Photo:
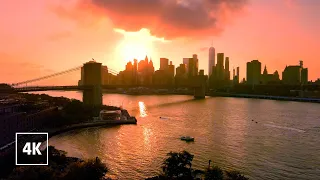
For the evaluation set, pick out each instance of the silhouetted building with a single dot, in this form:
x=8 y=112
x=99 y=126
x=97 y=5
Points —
x=226 y=70
x=145 y=71
x=171 y=73
x=129 y=66
x=304 y=74
x=253 y=72
x=236 y=78
x=196 y=64
x=295 y=75
x=219 y=67
x=160 y=78
x=269 y=78
x=238 y=71
x=186 y=62
x=291 y=75
x=164 y=62
x=201 y=72
x=135 y=71
x=181 y=70
x=192 y=66
x=181 y=75
x=212 y=59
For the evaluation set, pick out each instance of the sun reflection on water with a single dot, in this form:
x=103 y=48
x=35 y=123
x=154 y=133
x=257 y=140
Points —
x=146 y=137
x=143 y=109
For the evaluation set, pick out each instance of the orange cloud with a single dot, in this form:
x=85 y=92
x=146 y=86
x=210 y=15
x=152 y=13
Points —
x=164 y=18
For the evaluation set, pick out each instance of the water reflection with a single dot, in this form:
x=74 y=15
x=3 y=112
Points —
x=143 y=109
x=225 y=130
x=146 y=136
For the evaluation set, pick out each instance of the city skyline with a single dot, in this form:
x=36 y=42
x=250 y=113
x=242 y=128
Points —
x=57 y=37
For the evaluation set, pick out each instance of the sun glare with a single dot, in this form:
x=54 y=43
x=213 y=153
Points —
x=136 y=45
x=131 y=49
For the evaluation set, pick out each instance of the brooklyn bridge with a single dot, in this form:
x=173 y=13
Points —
x=92 y=86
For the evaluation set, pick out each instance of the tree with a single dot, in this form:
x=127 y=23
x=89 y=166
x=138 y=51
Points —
x=92 y=169
x=57 y=156
x=178 y=164
x=214 y=173
x=33 y=173
x=235 y=175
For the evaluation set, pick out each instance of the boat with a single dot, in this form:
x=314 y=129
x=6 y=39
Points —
x=187 y=138
x=107 y=115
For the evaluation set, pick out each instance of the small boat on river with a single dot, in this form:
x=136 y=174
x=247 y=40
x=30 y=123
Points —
x=187 y=138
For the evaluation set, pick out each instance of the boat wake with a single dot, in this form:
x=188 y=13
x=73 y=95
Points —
x=283 y=127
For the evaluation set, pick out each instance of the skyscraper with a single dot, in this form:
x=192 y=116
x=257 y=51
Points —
x=171 y=69
x=253 y=72
x=238 y=71
x=191 y=67
x=226 y=70
x=164 y=62
x=196 y=64
x=220 y=68
x=212 y=56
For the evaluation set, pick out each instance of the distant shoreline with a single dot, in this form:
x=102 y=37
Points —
x=279 y=98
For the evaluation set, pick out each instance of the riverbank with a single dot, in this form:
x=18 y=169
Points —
x=280 y=98
x=54 y=132
x=66 y=114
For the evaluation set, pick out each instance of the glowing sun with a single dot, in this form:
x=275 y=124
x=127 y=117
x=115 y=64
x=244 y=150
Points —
x=136 y=45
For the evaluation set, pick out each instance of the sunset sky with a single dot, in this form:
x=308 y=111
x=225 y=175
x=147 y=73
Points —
x=40 y=37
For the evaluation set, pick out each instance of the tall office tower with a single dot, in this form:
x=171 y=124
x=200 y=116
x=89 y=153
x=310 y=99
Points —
x=191 y=67
x=236 y=76
x=220 y=57
x=212 y=58
x=150 y=67
x=164 y=62
x=227 y=72
x=196 y=64
x=135 y=71
x=171 y=69
x=253 y=72
x=219 y=66
x=238 y=72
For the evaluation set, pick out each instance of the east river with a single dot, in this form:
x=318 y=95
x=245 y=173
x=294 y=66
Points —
x=264 y=139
